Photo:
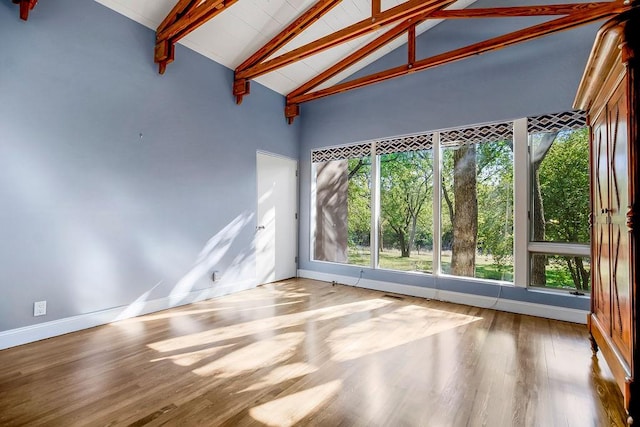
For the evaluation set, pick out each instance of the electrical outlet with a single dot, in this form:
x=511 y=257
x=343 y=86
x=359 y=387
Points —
x=39 y=308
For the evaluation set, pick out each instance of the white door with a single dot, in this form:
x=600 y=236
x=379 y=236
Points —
x=277 y=223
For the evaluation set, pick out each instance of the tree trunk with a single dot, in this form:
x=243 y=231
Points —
x=404 y=249
x=574 y=271
x=584 y=275
x=465 y=221
x=445 y=195
x=412 y=235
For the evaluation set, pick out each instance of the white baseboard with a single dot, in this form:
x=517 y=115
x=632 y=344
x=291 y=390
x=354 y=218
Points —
x=27 y=334
x=40 y=331
x=539 y=310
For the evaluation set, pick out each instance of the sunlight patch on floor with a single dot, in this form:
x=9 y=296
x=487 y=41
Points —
x=269 y=324
x=260 y=354
x=402 y=326
x=193 y=357
x=262 y=307
x=172 y=314
x=282 y=374
x=291 y=409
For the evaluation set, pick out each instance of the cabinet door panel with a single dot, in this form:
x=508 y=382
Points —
x=600 y=238
x=619 y=199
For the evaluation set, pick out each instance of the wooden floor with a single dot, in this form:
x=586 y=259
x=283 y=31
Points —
x=305 y=352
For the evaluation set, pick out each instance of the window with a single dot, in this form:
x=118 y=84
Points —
x=559 y=205
x=477 y=202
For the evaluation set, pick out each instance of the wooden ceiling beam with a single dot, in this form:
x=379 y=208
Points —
x=411 y=45
x=304 y=21
x=402 y=12
x=186 y=16
x=26 y=6
x=519 y=11
x=376 y=7
x=456 y=13
x=356 y=56
x=572 y=20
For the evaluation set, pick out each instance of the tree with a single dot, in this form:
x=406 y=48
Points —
x=564 y=183
x=406 y=185
x=477 y=181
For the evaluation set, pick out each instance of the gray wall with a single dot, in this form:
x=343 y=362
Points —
x=93 y=216
x=537 y=77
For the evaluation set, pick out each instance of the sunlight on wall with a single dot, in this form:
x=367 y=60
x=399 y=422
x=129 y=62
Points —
x=136 y=307
x=356 y=340
x=269 y=324
x=261 y=354
x=291 y=409
x=210 y=255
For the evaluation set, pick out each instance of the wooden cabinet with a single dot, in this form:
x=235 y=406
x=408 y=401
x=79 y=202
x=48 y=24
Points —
x=609 y=92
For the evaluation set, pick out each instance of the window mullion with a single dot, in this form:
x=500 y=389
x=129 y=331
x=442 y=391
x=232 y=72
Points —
x=375 y=206
x=437 y=190
x=521 y=203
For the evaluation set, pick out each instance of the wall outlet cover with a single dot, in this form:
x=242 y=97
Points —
x=39 y=308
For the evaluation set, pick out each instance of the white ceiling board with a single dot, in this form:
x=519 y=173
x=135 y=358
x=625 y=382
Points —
x=236 y=33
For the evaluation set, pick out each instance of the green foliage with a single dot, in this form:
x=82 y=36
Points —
x=359 y=202
x=406 y=195
x=564 y=183
x=495 y=202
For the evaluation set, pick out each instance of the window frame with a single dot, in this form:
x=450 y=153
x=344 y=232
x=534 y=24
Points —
x=523 y=246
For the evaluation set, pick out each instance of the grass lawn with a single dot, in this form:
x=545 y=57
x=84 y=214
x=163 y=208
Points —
x=558 y=276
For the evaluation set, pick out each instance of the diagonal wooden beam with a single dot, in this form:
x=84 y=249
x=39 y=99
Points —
x=175 y=14
x=572 y=20
x=402 y=12
x=356 y=56
x=304 y=21
x=25 y=7
x=519 y=11
x=186 y=16
x=197 y=14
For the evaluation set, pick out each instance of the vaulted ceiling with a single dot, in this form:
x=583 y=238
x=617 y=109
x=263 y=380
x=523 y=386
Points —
x=307 y=49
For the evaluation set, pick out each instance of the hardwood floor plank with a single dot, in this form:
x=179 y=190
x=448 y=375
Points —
x=303 y=352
